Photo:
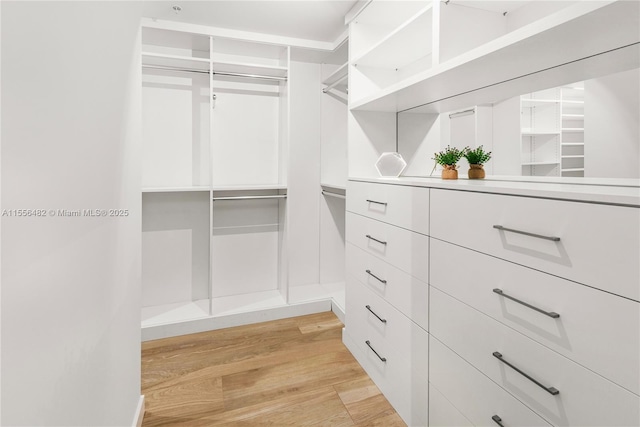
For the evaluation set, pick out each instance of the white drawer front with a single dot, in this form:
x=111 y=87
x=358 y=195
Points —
x=475 y=396
x=401 y=248
x=373 y=319
x=403 y=381
x=442 y=413
x=400 y=205
x=403 y=291
x=596 y=329
x=584 y=398
x=599 y=245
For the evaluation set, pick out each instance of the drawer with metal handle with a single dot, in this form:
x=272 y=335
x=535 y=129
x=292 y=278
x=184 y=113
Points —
x=404 y=249
x=593 y=244
x=561 y=391
x=404 y=292
x=579 y=322
x=400 y=205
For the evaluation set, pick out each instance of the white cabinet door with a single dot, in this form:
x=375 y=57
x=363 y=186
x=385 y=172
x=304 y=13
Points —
x=403 y=291
x=599 y=330
x=583 y=399
x=402 y=248
x=404 y=206
x=599 y=245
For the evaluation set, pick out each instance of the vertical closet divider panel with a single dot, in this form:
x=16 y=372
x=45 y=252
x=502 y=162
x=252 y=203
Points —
x=283 y=176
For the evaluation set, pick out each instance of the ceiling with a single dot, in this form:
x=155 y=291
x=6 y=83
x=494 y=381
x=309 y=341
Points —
x=318 y=20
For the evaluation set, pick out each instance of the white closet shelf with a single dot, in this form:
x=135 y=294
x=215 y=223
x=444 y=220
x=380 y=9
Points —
x=406 y=44
x=164 y=60
x=540 y=163
x=531 y=132
x=573 y=116
x=464 y=80
x=572 y=101
x=337 y=75
x=574 y=156
x=572 y=129
x=573 y=170
x=249 y=68
x=573 y=144
x=254 y=187
x=174 y=189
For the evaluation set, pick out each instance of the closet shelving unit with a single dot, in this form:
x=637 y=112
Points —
x=214 y=188
x=390 y=42
x=572 y=143
x=540 y=133
x=456 y=68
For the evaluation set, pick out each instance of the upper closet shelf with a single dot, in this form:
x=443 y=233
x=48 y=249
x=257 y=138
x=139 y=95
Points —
x=406 y=44
x=249 y=69
x=174 y=189
x=255 y=187
x=338 y=75
x=562 y=46
x=174 y=61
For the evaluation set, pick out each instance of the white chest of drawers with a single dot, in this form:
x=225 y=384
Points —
x=522 y=295
x=387 y=294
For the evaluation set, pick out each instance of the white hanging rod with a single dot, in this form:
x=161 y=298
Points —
x=462 y=113
x=218 y=73
x=334 y=84
x=273 y=196
x=329 y=193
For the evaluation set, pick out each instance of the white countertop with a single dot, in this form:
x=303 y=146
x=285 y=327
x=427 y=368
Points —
x=618 y=192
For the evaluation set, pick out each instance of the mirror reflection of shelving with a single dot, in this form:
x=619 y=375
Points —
x=572 y=143
x=540 y=131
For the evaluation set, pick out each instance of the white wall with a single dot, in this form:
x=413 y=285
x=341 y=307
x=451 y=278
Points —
x=71 y=286
x=304 y=173
x=611 y=129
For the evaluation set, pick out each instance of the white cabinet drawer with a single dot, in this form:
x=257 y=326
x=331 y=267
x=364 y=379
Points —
x=373 y=319
x=401 y=248
x=596 y=329
x=599 y=244
x=584 y=398
x=403 y=291
x=400 y=205
x=402 y=380
x=475 y=396
x=442 y=413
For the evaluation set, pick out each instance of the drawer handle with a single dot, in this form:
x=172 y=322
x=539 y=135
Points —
x=368 y=307
x=384 y=359
x=375 y=277
x=526 y=233
x=546 y=313
x=375 y=240
x=550 y=390
x=377 y=203
x=497 y=420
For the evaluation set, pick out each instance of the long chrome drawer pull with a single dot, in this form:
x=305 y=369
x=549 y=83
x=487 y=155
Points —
x=550 y=390
x=375 y=240
x=384 y=359
x=546 y=313
x=368 y=307
x=377 y=203
x=526 y=233
x=497 y=420
x=375 y=277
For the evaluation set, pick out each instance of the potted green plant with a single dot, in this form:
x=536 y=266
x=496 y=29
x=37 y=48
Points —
x=448 y=159
x=477 y=158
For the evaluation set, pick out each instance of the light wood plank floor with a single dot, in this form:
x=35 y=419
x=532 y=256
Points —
x=291 y=372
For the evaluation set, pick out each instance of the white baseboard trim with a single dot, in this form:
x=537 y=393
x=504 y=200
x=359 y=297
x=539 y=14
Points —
x=337 y=310
x=139 y=415
x=238 y=319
